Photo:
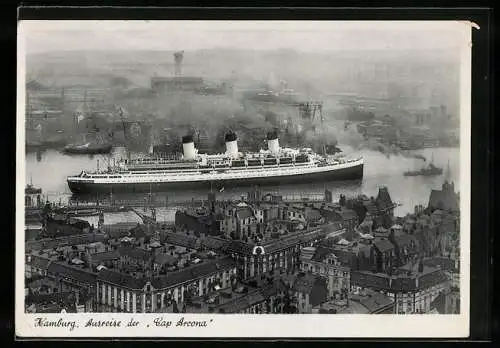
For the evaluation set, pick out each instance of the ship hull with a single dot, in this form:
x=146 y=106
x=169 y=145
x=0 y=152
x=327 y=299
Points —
x=88 y=151
x=350 y=173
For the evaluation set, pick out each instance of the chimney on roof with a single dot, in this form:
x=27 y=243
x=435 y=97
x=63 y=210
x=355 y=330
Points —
x=420 y=267
x=342 y=200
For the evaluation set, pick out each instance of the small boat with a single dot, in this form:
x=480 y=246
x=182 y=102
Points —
x=88 y=149
x=431 y=170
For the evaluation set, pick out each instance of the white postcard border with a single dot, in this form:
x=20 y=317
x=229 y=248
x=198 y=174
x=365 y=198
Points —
x=247 y=325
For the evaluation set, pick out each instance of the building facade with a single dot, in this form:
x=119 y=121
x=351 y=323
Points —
x=323 y=262
x=117 y=292
x=412 y=292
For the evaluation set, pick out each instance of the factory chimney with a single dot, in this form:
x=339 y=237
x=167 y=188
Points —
x=188 y=149
x=178 y=57
x=273 y=142
x=231 y=144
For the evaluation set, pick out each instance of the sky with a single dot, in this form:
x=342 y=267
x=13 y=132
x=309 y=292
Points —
x=47 y=36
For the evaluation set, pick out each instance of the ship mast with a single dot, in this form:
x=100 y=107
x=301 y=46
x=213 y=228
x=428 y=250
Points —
x=124 y=131
x=85 y=111
x=447 y=175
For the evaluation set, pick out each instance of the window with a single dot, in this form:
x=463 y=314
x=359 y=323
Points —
x=138 y=302
x=125 y=300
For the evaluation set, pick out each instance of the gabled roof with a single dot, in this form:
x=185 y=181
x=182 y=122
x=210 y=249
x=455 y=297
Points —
x=67 y=271
x=307 y=253
x=239 y=247
x=164 y=259
x=121 y=279
x=305 y=284
x=243 y=302
x=347 y=214
x=193 y=272
x=375 y=281
x=214 y=243
x=105 y=256
x=180 y=239
x=39 y=262
x=439 y=303
x=431 y=279
x=447 y=200
x=321 y=253
x=374 y=301
x=346 y=257
x=383 y=245
x=403 y=284
x=446 y=264
x=135 y=253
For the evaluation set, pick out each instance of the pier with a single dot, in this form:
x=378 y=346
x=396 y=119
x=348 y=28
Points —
x=152 y=201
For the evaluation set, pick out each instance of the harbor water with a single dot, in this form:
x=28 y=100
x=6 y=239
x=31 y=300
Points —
x=48 y=170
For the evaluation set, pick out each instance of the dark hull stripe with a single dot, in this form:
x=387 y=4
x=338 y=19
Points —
x=352 y=173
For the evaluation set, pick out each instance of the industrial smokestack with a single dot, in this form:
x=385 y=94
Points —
x=231 y=144
x=188 y=148
x=273 y=144
x=178 y=57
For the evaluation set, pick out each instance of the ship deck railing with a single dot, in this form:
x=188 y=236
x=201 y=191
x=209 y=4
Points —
x=213 y=170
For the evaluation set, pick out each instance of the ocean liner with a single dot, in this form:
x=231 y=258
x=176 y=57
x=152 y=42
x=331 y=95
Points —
x=276 y=165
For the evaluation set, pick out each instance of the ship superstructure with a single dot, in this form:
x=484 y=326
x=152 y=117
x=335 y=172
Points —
x=275 y=165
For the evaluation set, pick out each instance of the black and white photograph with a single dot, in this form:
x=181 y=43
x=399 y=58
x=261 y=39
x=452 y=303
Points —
x=201 y=175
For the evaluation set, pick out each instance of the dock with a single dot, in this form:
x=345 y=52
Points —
x=148 y=202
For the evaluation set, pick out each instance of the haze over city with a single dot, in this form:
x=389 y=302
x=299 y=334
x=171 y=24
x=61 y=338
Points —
x=257 y=35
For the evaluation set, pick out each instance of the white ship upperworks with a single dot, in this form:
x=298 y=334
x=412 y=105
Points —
x=276 y=165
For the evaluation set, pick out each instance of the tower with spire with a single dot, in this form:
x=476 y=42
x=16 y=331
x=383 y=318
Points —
x=446 y=198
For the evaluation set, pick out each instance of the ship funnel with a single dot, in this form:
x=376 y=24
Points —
x=188 y=148
x=273 y=144
x=231 y=144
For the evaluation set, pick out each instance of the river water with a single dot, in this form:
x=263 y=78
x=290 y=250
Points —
x=48 y=170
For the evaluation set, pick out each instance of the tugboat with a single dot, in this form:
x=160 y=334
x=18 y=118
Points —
x=430 y=170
